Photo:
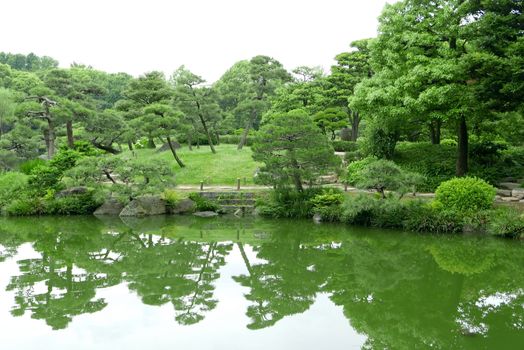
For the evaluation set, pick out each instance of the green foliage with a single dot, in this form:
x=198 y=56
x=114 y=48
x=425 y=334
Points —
x=506 y=222
x=202 y=203
x=344 y=146
x=465 y=195
x=427 y=218
x=28 y=166
x=12 y=184
x=435 y=162
x=328 y=198
x=235 y=139
x=354 y=170
x=44 y=178
x=81 y=204
x=370 y=211
x=382 y=175
x=171 y=197
x=293 y=150
x=25 y=206
x=288 y=203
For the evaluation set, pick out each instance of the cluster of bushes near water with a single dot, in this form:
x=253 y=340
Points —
x=460 y=204
x=77 y=181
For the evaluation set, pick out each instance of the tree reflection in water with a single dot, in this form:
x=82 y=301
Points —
x=400 y=290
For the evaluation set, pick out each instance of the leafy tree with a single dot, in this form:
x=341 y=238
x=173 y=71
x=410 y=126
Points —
x=195 y=100
x=330 y=120
x=293 y=150
x=7 y=108
x=266 y=74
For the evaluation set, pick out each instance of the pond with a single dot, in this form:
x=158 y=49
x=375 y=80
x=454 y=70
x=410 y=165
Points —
x=189 y=283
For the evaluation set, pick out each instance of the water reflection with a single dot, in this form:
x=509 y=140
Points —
x=399 y=290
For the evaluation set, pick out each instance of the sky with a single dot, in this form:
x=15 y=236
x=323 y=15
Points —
x=207 y=36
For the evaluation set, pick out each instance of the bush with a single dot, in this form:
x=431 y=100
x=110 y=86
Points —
x=73 y=205
x=435 y=162
x=203 y=204
x=44 y=178
x=465 y=195
x=25 y=206
x=28 y=166
x=171 y=197
x=344 y=146
x=235 y=139
x=12 y=184
x=427 y=218
x=371 y=211
x=354 y=170
x=287 y=203
x=506 y=222
x=327 y=204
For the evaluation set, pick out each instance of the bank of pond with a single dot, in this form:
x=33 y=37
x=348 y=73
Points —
x=257 y=281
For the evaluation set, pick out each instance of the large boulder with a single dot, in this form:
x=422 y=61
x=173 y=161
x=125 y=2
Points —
x=185 y=206
x=145 y=206
x=518 y=193
x=503 y=193
x=73 y=191
x=110 y=207
x=205 y=214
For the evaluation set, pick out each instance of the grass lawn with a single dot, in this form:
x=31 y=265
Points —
x=222 y=168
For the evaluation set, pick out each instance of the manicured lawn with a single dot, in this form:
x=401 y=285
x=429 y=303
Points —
x=222 y=168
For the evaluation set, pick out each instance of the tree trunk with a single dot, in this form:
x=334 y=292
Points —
x=150 y=142
x=178 y=160
x=355 y=123
x=434 y=131
x=248 y=127
x=107 y=148
x=130 y=145
x=70 y=137
x=208 y=134
x=462 y=147
x=189 y=141
x=296 y=175
x=51 y=137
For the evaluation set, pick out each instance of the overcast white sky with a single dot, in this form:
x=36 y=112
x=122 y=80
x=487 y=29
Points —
x=208 y=36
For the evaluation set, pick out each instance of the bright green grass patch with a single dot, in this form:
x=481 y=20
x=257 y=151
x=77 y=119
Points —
x=222 y=168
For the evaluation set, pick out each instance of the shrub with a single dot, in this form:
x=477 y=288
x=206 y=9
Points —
x=371 y=211
x=344 y=146
x=435 y=162
x=235 y=139
x=25 y=206
x=427 y=218
x=328 y=198
x=465 y=195
x=506 y=222
x=287 y=203
x=73 y=205
x=203 y=204
x=354 y=170
x=171 y=197
x=382 y=175
x=28 y=166
x=12 y=184
x=43 y=178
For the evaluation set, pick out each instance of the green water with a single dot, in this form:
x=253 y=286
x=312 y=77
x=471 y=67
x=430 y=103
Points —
x=186 y=283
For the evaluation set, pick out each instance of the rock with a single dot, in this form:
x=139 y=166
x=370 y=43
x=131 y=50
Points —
x=185 y=206
x=110 y=207
x=509 y=199
x=145 y=206
x=518 y=193
x=503 y=193
x=73 y=191
x=317 y=219
x=509 y=185
x=205 y=214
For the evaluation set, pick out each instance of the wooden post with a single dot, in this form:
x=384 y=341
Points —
x=201 y=185
x=345 y=187
x=238 y=184
x=245 y=181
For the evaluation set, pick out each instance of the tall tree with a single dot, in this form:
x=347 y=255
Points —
x=194 y=99
x=293 y=150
